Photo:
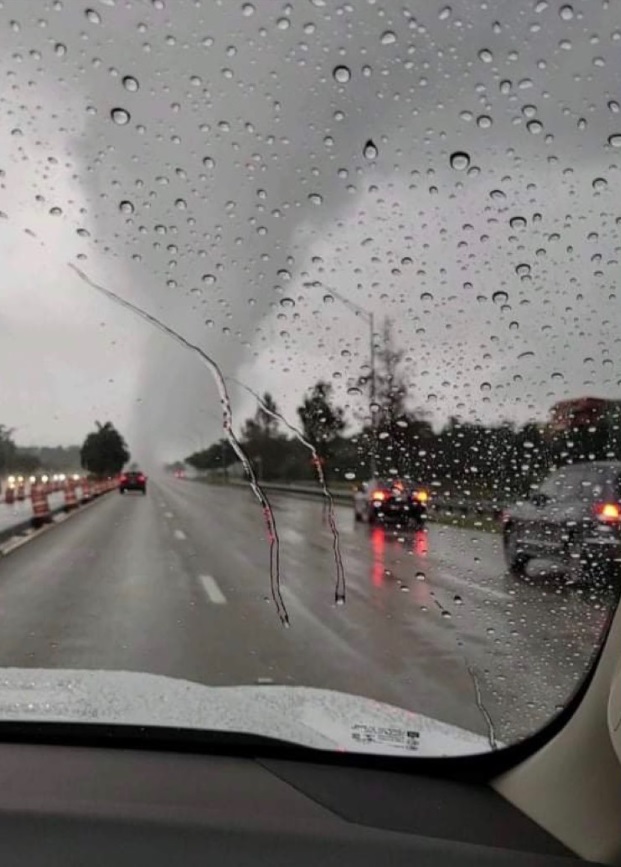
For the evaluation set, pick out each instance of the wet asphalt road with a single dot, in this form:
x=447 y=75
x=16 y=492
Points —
x=177 y=583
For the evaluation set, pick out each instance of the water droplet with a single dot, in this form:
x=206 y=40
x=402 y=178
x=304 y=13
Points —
x=486 y=386
x=120 y=116
x=500 y=297
x=566 y=12
x=458 y=600
x=615 y=140
x=522 y=269
x=388 y=37
x=404 y=588
x=534 y=126
x=93 y=16
x=484 y=121
x=287 y=302
x=445 y=13
x=460 y=160
x=614 y=106
x=505 y=86
x=342 y=74
x=497 y=195
x=208 y=279
x=56 y=211
x=248 y=10
x=208 y=162
x=517 y=222
x=600 y=184
x=126 y=207
x=486 y=55
x=60 y=49
x=130 y=83
x=283 y=23
x=420 y=576
x=328 y=299
x=446 y=614
x=370 y=150
x=315 y=199
x=181 y=204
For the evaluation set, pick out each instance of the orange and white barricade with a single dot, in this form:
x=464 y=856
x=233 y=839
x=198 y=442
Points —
x=40 y=505
x=71 y=499
x=86 y=490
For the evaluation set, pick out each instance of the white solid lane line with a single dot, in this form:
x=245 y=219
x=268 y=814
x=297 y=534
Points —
x=214 y=594
x=179 y=534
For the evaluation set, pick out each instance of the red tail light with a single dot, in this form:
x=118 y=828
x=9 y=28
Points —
x=123 y=479
x=141 y=478
x=379 y=496
x=608 y=512
x=420 y=496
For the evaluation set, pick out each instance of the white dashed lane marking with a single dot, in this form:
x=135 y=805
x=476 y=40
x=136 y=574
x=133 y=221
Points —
x=179 y=534
x=214 y=594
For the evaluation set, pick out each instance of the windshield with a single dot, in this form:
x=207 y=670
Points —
x=260 y=262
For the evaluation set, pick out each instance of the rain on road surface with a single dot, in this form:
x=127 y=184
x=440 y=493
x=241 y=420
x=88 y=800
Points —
x=177 y=583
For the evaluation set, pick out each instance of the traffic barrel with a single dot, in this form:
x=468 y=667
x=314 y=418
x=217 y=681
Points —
x=71 y=499
x=40 y=505
x=9 y=494
x=21 y=491
x=86 y=490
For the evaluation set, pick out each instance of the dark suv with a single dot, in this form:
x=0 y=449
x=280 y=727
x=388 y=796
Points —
x=574 y=517
x=133 y=481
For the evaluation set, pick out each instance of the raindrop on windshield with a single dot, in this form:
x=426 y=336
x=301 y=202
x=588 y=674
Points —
x=388 y=38
x=283 y=23
x=534 y=126
x=130 y=83
x=500 y=297
x=614 y=107
x=120 y=116
x=486 y=55
x=315 y=199
x=248 y=9
x=517 y=222
x=342 y=74
x=126 y=207
x=566 y=12
x=615 y=140
x=60 y=49
x=600 y=184
x=370 y=150
x=445 y=13
x=460 y=160
x=93 y=16
x=484 y=121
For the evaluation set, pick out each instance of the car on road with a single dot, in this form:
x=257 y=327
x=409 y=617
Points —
x=573 y=518
x=382 y=500
x=133 y=481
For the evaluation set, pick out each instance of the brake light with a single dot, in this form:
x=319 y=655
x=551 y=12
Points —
x=609 y=512
x=420 y=496
x=379 y=496
x=123 y=478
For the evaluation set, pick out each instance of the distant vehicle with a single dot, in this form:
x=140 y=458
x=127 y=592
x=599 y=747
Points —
x=133 y=481
x=180 y=474
x=574 y=517
x=382 y=500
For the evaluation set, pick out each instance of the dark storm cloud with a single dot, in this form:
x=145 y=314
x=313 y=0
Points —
x=481 y=216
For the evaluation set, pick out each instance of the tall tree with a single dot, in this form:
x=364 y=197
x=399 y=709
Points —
x=322 y=421
x=104 y=451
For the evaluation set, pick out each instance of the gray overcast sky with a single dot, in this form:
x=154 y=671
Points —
x=238 y=191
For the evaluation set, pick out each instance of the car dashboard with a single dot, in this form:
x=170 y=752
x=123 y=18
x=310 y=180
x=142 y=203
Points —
x=104 y=805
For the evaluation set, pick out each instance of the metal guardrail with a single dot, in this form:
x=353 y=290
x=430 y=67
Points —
x=458 y=507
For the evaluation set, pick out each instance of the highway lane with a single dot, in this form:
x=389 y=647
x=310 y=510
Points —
x=177 y=583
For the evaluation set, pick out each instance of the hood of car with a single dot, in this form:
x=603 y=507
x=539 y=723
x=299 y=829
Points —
x=316 y=718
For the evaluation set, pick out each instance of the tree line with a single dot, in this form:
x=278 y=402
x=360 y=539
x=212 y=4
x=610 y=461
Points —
x=395 y=439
